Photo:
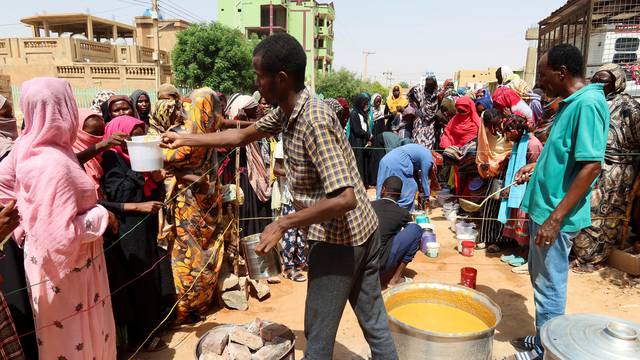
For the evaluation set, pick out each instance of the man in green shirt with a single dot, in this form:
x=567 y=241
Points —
x=558 y=193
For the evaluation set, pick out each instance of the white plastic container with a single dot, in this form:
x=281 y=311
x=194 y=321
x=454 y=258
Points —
x=466 y=237
x=463 y=228
x=432 y=249
x=145 y=153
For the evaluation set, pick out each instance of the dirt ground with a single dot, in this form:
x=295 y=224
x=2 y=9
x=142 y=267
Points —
x=599 y=293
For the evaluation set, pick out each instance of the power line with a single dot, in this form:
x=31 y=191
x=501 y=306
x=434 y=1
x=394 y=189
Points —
x=135 y=3
x=116 y=9
x=171 y=12
x=181 y=9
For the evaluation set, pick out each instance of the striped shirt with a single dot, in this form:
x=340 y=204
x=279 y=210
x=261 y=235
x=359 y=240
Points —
x=318 y=161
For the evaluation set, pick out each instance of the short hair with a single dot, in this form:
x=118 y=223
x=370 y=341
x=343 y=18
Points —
x=393 y=184
x=490 y=115
x=282 y=52
x=568 y=56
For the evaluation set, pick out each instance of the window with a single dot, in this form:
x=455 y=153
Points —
x=621 y=58
x=627 y=44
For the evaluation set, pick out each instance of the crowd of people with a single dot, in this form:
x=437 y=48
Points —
x=96 y=254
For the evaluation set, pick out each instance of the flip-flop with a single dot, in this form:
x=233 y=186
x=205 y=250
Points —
x=493 y=248
x=295 y=275
x=583 y=268
x=507 y=258
x=526 y=343
x=521 y=270
x=517 y=261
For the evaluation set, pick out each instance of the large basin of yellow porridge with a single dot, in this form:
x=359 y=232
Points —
x=441 y=321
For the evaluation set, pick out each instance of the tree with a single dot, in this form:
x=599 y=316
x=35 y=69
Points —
x=213 y=55
x=404 y=84
x=343 y=83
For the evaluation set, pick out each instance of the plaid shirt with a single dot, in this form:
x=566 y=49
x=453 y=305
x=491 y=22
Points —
x=318 y=161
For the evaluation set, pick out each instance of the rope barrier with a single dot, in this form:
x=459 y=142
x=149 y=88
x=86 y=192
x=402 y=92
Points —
x=115 y=242
x=489 y=151
x=193 y=283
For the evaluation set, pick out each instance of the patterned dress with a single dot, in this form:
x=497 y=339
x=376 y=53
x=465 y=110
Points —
x=196 y=217
x=612 y=192
x=424 y=132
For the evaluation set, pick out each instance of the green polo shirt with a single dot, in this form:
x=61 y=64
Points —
x=579 y=133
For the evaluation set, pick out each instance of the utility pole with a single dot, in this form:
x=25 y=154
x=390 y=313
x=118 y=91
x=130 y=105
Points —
x=313 y=48
x=387 y=75
x=156 y=45
x=366 y=64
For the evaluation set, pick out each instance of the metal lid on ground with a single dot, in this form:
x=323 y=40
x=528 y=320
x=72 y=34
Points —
x=591 y=337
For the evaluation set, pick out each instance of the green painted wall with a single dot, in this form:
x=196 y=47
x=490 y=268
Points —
x=246 y=16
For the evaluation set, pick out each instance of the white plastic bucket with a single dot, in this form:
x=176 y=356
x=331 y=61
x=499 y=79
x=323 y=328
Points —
x=432 y=249
x=145 y=153
x=466 y=237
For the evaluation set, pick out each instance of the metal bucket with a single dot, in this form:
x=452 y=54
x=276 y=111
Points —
x=260 y=267
x=290 y=355
x=412 y=343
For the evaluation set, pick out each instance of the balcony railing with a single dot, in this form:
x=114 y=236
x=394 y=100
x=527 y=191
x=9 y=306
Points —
x=46 y=50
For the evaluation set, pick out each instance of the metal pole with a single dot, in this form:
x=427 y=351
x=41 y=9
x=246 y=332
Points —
x=156 y=35
x=366 y=59
x=313 y=48
x=236 y=240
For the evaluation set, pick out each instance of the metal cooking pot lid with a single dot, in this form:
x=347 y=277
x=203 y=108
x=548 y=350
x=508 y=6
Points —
x=588 y=336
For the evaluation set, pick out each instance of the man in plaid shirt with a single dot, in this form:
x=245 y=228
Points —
x=328 y=195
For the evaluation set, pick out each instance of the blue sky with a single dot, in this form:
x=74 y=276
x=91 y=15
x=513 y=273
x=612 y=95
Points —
x=409 y=37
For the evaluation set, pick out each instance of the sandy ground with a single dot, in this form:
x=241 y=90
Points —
x=594 y=293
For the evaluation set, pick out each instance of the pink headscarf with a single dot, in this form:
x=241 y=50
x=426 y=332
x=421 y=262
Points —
x=463 y=127
x=505 y=97
x=43 y=175
x=83 y=142
x=126 y=124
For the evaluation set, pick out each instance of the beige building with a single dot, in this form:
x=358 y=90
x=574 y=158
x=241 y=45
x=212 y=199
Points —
x=90 y=52
x=474 y=79
x=168 y=30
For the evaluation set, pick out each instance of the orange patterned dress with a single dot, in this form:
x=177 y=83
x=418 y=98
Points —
x=196 y=223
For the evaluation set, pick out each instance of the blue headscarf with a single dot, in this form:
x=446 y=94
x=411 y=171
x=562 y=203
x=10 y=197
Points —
x=485 y=100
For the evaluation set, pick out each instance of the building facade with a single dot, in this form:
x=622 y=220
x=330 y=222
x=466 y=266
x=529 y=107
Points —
x=307 y=20
x=474 y=79
x=90 y=52
x=606 y=31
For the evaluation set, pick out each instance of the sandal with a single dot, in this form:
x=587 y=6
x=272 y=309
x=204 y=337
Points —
x=517 y=261
x=273 y=280
x=521 y=270
x=583 y=268
x=155 y=344
x=526 y=355
x=526 y=343
x=493 y=248
x=507 y=258
x=295 y=275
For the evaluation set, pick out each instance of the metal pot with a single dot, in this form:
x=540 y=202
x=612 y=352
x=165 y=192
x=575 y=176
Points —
x=412 y=343
x=590 y=337
x=290 y=355
x=260 y=267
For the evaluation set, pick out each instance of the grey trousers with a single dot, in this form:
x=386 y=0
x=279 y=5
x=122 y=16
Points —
x=336 y=274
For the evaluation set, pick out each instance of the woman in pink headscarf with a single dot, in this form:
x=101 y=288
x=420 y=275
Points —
x=90 y=132
x=134 y=257
x=61 y=227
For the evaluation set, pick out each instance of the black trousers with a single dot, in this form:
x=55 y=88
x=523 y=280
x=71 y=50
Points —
x=339 y=273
